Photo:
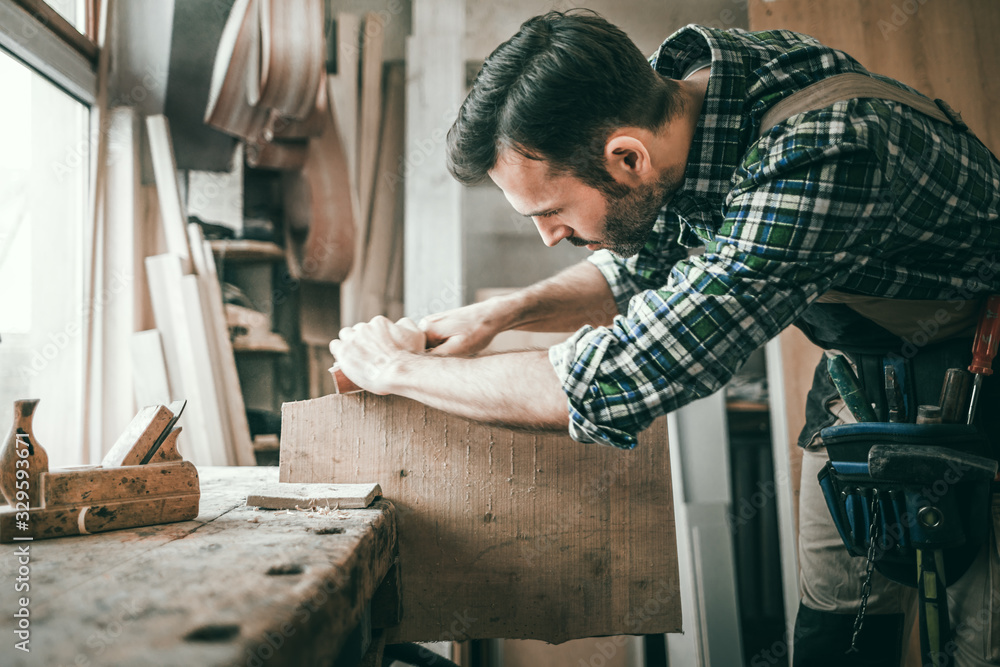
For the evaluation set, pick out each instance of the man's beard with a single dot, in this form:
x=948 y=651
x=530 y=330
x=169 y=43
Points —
x=632 y=212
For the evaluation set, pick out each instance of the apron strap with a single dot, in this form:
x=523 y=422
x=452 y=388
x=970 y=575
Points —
x=852 y=85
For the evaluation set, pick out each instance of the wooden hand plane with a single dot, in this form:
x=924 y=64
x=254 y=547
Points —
x=142 y=481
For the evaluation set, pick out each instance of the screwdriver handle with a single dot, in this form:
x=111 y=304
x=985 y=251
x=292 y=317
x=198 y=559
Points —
x=984 y=346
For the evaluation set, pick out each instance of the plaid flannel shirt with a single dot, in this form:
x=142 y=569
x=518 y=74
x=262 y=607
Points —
x=867 y=196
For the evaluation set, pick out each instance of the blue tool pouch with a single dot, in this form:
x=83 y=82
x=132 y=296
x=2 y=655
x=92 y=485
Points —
x=931 y=485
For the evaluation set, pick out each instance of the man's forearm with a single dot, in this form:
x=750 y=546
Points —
x=567 y=301
x=516 y=389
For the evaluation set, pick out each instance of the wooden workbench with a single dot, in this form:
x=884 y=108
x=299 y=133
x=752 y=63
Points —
x=236 y=585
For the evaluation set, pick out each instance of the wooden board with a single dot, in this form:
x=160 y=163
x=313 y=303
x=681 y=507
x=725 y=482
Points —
x=343 y=87
x=370 y=110
x=387 y=204
x=221 y=348
x=521 y=535
x=435 y=88
x=369 y=121
x=943 y=49
x=303 y=496
x=214 y=414
x=179 y=321
x=231 y=585
x=171 y=207
x=149 y=369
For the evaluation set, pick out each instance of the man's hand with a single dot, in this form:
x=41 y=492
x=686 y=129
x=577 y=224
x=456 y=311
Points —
x=370 y=353
x=516 y=389
x=462 y=332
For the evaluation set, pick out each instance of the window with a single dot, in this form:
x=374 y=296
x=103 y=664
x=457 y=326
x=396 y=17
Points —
x=44 y=173
x=74 y=11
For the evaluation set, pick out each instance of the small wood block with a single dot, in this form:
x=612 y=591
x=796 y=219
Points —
x=289 y=496
x=133 y=444
x=69 y=520
x=341 y=383
x=120 y=484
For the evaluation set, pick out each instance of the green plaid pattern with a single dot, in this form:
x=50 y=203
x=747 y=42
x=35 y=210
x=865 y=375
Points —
x=867 y=196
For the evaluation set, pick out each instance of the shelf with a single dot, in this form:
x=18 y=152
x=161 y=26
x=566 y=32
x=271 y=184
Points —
x=245 y=250
x=271 y=344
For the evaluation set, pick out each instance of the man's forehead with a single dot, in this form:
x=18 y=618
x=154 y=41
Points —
x=528 y=184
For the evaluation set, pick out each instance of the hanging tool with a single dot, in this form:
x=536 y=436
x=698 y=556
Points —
x=928 y=414
x=954 y=393
x=984 y=348
x=894 y=395
x=850 y=389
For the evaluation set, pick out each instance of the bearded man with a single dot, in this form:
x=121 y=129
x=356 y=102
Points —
x=713 y=227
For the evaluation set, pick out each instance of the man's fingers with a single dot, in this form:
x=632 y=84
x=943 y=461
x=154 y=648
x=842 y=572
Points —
x=407 y=323
x=449 y=346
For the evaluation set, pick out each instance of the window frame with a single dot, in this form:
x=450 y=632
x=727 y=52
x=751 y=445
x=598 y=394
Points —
x=34 y=33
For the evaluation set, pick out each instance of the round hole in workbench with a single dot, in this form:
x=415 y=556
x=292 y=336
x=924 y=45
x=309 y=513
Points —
x=329 y=531
x=292 y=568
x=213 y=633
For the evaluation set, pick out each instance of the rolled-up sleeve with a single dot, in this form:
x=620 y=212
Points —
x=786 y=238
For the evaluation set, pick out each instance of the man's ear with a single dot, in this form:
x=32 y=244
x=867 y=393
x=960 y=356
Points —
x=627 y=158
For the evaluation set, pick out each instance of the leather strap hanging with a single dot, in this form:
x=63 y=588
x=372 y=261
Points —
x=853 y=85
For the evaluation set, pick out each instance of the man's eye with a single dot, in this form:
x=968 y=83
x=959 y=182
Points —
x=547 y=214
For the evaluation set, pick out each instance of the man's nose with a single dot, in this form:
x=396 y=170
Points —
x=552 y=234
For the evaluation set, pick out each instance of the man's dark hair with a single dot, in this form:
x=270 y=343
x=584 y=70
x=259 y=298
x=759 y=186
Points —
x=555 y=91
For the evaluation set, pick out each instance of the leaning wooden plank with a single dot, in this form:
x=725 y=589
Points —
x=533 y=535
x=149 y=369
x=292 y=496
x=172 y=321
x=343 y=87
x=369 y=121
x=213 y=413
x=387 y=205
x=371 y=109
x=211 y=334
x=236 y=411
x=171 y=206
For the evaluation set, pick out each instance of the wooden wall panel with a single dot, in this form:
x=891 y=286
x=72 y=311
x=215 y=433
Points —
x=503 y=533
x=944 y=49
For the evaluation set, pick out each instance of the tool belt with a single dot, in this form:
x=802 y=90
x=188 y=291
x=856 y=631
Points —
x=909 y=486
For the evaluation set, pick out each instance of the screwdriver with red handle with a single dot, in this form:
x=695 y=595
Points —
x=984 y=348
